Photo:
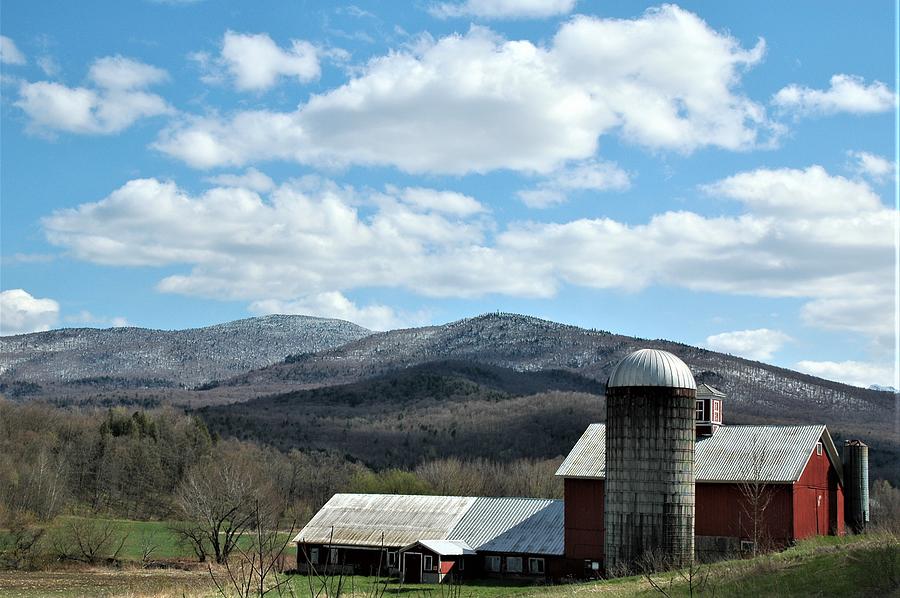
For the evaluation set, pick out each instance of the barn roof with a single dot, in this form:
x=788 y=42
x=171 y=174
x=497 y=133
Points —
x=361 y=519
x=517 y=525
x=775 y=454
x=512 y=525
x=443 y=547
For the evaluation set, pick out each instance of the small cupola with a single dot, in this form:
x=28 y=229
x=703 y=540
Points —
x=708 y=409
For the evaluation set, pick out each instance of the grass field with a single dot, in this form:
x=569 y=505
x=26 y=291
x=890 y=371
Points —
x=852 y=566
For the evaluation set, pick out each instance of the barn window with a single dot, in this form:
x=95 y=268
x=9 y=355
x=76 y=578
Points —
x=699 y=409
x=392 y=559
x=514 y=564
x=427 y=562
x=819 y=448
x=314 y=556
x=717 y=411
x=333 y=556
x=492 y=563
x=536 y=566
x=747 y=545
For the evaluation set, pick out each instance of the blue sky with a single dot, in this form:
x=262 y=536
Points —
x=716 y=173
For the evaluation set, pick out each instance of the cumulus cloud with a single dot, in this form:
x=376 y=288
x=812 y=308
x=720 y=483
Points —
x=336 y=305
x=759 y=344
x=856 y=373
x=478 y=102
x=872 y=166
x=255 y=62
x=116 y=100
x=251 y=179
x=590 y=175
x=503 y=9
x=9 y=53
x=847 y=93
x=309 y=237
x=21 y=313
x=807 y=192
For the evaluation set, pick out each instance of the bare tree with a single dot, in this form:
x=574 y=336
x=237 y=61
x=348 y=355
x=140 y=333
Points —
x=757 y=495
x=217 y=497
x=148 y=543
x=91 y=540
x=257 y=569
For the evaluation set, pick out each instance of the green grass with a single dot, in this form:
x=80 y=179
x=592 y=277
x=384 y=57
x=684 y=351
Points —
x=850 y=566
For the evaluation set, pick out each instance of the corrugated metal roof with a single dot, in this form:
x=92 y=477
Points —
x=361 y=519
x=587 y=459
x=733 y=453
x=651 y=367
x=443 y=547
x=515 y=525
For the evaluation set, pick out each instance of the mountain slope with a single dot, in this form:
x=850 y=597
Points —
x=131 y=357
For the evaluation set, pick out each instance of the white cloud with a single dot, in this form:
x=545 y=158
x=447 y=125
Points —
x=120 y=73
x=9 y=53
x=503 y=9
x=448 y=202
x=856 y=373
x=21 y=313
x=309 y=237
x=336 y=305
x=759 y=344
x=876 y=168
x=252 y=179
x=477 y=102
x=807 y=192
x=49 y=65
x=847 y=93
x=590 y=175
x=114 y=104
x=255 y=62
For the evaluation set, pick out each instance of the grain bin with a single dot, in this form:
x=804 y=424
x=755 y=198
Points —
x=856 y=478
x=649 y=498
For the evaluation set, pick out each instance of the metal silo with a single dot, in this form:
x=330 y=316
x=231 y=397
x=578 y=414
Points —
x=649 y=490
x=856 y=485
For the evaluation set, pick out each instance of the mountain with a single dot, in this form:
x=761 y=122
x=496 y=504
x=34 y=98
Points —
x=138 y=357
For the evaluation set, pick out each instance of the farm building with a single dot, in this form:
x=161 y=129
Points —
x=662 y=475
x=426 y=538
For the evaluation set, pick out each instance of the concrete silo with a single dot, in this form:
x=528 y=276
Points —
x=649 y=495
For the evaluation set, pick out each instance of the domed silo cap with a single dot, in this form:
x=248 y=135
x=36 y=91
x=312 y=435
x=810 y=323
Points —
x=651 y=367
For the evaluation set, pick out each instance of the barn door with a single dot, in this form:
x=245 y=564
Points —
x=821 y=513
x=412 y=567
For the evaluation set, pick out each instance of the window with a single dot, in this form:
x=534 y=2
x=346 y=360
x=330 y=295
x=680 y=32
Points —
x=747 y=545
x=536 y=566
x=314 y=556
x=492 y=563
x=333 y=556
x=427 y=562
x=391 y=559
x=461 y=563
x=514 y=564
x=819 y=448
x=591 y=565
x=699 y=409
x=717 y=412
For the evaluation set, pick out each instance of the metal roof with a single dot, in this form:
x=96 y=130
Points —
x=516 y=525
x=707 y=390
x=651 y=367
x=443 y=547
x=776 y=454
x=361 y=519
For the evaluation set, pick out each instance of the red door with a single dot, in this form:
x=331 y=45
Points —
x=821 y=513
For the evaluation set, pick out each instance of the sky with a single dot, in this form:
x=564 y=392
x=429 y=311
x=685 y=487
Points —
x=721 y=174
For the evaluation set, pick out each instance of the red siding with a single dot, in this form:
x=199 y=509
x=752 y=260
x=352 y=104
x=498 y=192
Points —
x=818 y=500
x=584 y=519
x=722 y=510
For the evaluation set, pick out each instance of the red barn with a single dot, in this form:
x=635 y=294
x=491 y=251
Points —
x=771 y=484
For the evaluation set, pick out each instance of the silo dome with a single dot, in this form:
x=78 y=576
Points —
x=651 y=367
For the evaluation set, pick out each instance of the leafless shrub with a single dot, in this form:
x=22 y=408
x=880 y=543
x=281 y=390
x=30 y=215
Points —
x=90 y=541
x=18 y=547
